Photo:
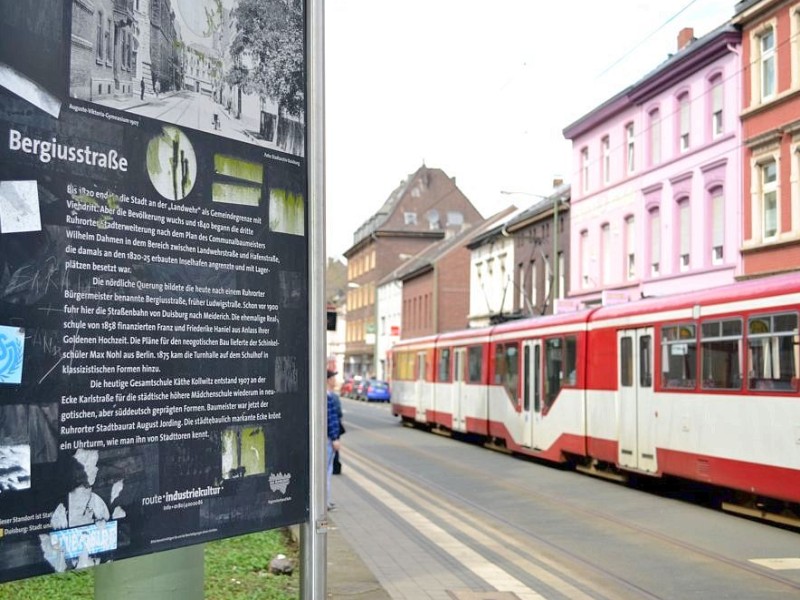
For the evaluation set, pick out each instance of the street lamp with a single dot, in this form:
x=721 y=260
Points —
x=555 y=197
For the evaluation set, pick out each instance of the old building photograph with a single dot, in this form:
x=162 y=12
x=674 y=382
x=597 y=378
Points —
x=208 y=65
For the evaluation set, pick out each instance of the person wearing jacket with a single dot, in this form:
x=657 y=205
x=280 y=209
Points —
x=334 y=431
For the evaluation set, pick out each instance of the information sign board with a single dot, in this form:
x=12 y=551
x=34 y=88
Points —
x=153 y=276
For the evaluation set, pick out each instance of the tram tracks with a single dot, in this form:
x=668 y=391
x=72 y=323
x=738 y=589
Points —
x=520 y=547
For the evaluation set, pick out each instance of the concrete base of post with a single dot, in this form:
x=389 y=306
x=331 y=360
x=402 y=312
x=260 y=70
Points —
x=160 y=576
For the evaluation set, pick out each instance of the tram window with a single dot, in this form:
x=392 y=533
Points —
x=721 y=354
x=570 y=360
x=626 y=362
x=474 y=364
x=506 y=368
x=526 y=366
x=553 y=354
x=679 y=356
x=404 y=364
x=537 y=375
x=773 y=357
x=444 y=365
x=499 y=364
x=645 y=361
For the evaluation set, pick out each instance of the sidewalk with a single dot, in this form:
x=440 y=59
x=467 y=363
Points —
x=348 y=576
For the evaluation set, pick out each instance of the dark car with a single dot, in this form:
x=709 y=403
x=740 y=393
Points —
x=376 y=390
x=359 y=386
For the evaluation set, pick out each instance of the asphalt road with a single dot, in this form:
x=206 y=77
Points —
x=434 y=517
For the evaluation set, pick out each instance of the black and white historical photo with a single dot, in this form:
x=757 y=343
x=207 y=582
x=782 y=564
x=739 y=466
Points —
x=171 y=163
x=15 y=467
x=231 y=67
x=243 y=452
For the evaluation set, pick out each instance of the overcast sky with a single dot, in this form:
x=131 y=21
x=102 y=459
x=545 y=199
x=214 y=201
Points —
x=479 y=89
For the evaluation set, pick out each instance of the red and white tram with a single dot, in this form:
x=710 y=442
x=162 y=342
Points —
x=703 y=386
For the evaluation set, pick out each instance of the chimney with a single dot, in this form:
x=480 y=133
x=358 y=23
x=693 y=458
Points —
x=685 y=37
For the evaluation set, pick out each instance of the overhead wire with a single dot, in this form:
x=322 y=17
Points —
x=645 y=39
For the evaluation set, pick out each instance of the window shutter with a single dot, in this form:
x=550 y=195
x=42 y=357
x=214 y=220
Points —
x=717 y=220
x=716 y=98
x=685 y=242
x=684 y=115
x=655 y=237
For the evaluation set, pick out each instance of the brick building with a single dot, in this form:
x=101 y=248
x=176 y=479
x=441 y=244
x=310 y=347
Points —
x=435 y=283
x=418 y=213
x=770 y=135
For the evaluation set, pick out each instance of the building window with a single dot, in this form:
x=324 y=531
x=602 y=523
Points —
x=433 y=219
x=684 y=125
x=585 y=169
x=630 y=153
x=794 y=37
x=521 y=288
x=769 y=199
x=99 y=44
x=584 y=249
x=534 y=285
x=767 y=57
x=454 y=218
x=108 y=33
x=716 y=107
x=717 y=226
x=655 y=137
x=684 y=234
x=561 y=276
x=410 y=218
x=655 y=242
x=605 y=252
x=630 y=247
x=548 y=277
x=606 y=147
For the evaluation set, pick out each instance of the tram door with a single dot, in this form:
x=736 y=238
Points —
x=457 y=389
x=637 y=412
x=532 y=393
x=420 y=388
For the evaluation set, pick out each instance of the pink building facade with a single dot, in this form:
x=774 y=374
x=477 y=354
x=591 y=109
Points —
x=656 y=200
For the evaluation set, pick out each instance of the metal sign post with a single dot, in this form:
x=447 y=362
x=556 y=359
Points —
x=313 y=538
x=160 y=312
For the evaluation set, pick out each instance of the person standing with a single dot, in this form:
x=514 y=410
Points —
x=337 y=464
x=141 y=94
x=334 y=429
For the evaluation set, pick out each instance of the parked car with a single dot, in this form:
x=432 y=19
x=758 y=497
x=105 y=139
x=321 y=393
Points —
x=376 y=390
x=347 y=387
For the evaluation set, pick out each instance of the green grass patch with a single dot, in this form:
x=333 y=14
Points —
x=235 y=569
